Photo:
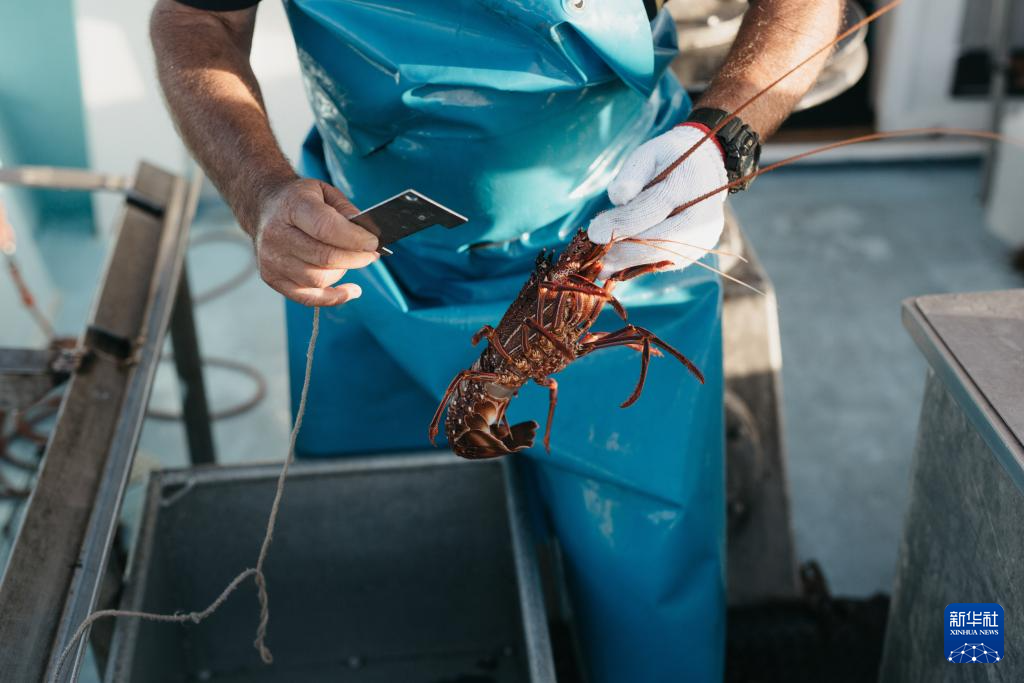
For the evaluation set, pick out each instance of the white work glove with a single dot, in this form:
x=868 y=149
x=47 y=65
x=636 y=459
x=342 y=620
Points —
x=644 y=214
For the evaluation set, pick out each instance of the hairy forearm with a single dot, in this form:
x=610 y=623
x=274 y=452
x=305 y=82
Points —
x=203 y=66
x=775 y=36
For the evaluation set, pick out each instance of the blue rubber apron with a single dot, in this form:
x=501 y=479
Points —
x=518 y=114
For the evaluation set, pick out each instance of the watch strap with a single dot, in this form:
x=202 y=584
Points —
x=741 y=144
x=706 y=130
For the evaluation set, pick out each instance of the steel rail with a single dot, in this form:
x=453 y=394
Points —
x=60 y=556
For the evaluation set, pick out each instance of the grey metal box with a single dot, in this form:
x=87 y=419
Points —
x=385 y=569
x=963 y=533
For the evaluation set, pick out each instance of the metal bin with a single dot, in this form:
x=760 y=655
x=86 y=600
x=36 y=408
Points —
x=383 y=569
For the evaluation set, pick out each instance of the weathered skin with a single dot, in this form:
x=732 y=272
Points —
x=545 y=328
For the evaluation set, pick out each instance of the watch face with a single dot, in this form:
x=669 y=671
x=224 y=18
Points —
x=749 y=154
x=748 y=165
x=751 y=160
x=741 y=144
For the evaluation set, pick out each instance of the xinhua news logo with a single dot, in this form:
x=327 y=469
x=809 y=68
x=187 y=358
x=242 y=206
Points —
x=974 y=633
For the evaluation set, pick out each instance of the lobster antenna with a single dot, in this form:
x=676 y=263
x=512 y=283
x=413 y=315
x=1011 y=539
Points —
x=717 y=252
x=699 y=263
x=906 y=133
x=828 y=46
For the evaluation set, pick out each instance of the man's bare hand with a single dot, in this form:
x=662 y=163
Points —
x=305 y=243
x=304 y=240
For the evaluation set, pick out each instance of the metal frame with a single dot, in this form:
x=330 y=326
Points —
x=171 y=488
x=961 y=529
x=60 y=558
x=1007 y=447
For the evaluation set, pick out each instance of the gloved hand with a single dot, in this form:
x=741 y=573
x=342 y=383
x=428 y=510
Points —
x=644 y=214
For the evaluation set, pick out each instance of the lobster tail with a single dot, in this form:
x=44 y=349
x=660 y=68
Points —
x=481 y=440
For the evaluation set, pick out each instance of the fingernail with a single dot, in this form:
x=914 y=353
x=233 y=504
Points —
x=370 y=244
x=354 y=291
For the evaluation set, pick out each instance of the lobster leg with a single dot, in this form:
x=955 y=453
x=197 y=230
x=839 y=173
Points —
x=630 y=335
x=606 y=288
x=552 y=386
x=600 y=336
x=593 y=262
x=645 y=359
x=588 y=288
x=560 y=309
x=541 y=301
x=565 y=351
x=667 y=347
x=491 y=335
x=629 y=338
x=637 y=271
x=459 y=378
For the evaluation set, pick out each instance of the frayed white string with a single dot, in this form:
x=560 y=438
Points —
x=257 y=572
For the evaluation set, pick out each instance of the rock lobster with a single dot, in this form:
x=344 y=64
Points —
x=548 y=325
x=546 y=328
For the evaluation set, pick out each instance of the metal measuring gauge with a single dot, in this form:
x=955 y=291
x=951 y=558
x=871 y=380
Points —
x=405 y=214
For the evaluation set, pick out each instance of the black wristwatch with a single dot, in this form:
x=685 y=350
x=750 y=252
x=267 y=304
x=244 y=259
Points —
x=741 y=144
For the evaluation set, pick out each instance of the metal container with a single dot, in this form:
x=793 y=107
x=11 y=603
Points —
x=384 y=569
x=963 y=530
